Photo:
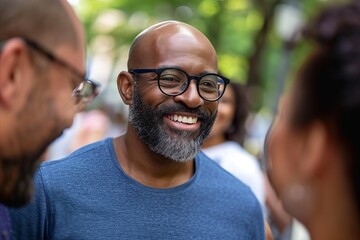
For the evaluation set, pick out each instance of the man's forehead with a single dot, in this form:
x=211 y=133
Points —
x=166 y=29
x=173 y=36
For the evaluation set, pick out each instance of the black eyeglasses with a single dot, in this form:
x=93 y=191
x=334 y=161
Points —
x=175 y=81
x=86 y=91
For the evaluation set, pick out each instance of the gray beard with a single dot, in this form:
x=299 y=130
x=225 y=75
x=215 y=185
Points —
x=149 y=125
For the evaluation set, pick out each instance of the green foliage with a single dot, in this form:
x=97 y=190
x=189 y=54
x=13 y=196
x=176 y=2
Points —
x=231 y=26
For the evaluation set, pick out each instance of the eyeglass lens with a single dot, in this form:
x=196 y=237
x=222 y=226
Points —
x=174 y=82
x=85 y=92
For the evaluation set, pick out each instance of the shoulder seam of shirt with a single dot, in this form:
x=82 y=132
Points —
x=74 y=154
x=47 y=205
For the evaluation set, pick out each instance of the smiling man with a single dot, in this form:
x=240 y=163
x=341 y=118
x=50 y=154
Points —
x=152 y=182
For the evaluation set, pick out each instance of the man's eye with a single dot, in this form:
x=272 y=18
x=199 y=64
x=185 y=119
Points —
x=208 y=83
x=170 y=78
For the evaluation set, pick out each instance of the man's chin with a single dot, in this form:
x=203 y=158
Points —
x=175 y=134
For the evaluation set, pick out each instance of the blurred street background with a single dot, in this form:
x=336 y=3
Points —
x=253 y=39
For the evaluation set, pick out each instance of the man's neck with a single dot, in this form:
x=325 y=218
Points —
x=147 y=167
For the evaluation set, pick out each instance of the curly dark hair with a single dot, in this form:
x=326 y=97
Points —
x=328 y=84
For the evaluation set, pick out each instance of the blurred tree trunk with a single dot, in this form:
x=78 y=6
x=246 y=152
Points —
x=214 y=25
x=254 y=80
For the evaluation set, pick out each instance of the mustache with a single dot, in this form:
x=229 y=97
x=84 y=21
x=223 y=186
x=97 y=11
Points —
x=168 y=109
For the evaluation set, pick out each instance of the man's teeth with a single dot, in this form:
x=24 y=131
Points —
x=183 y=119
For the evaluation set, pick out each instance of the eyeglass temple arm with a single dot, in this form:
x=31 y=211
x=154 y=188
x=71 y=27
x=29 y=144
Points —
x=143 y=70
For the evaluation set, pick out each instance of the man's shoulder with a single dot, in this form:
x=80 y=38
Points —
x=225 y=187
x=79 y=160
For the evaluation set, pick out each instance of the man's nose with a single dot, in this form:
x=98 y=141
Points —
x=190 y=97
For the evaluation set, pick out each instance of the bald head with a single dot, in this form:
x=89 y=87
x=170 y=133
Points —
x=159 y=39
x=50 y=23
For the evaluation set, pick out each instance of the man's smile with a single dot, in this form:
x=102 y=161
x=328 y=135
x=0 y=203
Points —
x=183 y=121
x=182 y=118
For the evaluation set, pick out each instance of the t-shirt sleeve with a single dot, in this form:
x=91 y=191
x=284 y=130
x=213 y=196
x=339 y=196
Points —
x=30 y=222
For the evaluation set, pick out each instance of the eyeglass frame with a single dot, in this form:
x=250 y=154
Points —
x=52 y=57
x=158 y=72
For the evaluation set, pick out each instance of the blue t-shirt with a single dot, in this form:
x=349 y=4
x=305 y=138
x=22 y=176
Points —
x=87 y=195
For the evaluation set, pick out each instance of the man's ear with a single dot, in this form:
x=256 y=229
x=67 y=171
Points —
x=14 y=63
x=125 y=84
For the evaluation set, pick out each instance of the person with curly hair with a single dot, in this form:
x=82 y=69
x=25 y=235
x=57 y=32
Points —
x=313 y=146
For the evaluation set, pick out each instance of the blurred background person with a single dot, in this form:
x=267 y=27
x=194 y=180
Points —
x=93 y=126
x=89 y=126
x=223 y=145
x=313 y=147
